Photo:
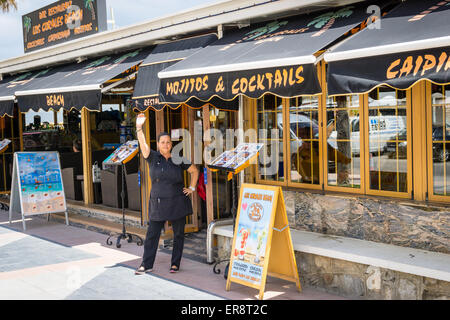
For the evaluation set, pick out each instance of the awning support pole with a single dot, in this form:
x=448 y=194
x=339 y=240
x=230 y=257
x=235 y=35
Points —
x=209 y=186
x=87 y=156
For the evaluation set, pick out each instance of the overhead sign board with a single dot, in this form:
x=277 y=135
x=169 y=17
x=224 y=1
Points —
x=62 y=21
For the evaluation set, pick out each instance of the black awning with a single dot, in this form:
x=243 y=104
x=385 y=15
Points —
x=272 y=57
x=146 y=90
x=411 y=44
x=77 y=85
x=6 y=98
x=7 y=89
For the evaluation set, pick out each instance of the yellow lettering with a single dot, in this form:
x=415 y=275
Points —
x=234 y=89
x=198 y=84
x=430 y=63
x=291 y=79
x=176 y=86
x=442 y=59
x=269 y=77
x=285 y=77
x=182 y=81
x=244 y=85
x=389 y=73
x=299 y=78
x=259 y=82
x=205 y=82
x=169 y=88
x=407 y=66
x=418 y=64
x=252 y=87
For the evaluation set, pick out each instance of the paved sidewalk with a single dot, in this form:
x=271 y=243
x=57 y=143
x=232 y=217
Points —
x=54 y=261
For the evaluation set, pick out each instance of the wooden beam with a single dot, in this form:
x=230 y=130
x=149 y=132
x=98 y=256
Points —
x=196 y=217
x=87 y=156
x=209 y=186
x=146 y=184
x=419 y=135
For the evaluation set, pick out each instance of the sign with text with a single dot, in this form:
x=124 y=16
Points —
x=262 y=241
x=37 y=185
x=62 y=21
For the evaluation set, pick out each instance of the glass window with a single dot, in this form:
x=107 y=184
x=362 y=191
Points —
x=269 y=121
x=304 y=140
x=441 y=139
x=388 y=167
x=343 y=142
x=9 y=129
x=49 y=131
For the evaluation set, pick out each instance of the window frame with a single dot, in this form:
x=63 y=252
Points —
x=362 y=134
x=429 y=147
x=255 y=119
x=384 y=193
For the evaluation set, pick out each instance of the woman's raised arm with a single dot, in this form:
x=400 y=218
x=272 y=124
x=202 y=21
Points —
x=140 y=120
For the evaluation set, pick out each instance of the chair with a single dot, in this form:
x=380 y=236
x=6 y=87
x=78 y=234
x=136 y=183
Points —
x=71 y=166
x=132 y=184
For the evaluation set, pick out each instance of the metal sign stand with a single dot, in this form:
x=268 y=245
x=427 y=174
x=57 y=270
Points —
x=124 y=234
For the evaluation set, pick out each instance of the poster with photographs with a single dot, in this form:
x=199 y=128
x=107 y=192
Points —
x=251 y=238
x=123 y=154
x=231 y=160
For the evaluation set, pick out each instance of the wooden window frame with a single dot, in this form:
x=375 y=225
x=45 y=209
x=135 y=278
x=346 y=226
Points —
x=392 y=194
x=255 y=119
x=286 y=120
x=362 y=158
x=429 y=140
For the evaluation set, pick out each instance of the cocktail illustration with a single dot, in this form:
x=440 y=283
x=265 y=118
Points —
x=244 y=233
x=260 y=238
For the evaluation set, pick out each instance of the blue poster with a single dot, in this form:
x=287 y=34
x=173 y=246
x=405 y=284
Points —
x=251 y=239
x=40 y=182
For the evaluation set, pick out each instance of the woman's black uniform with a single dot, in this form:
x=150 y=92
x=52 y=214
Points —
x=167 y=203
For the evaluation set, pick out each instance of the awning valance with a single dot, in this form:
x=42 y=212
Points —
x=272 y=57
x=146 y=90
x=411 y=44
x=77 y=85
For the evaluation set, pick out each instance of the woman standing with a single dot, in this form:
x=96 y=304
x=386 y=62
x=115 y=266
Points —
x=169 y=199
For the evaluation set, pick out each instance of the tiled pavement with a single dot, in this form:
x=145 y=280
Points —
x=54 y=261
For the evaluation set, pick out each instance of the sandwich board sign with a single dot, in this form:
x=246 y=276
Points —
x=37 y=186
x=262 y=243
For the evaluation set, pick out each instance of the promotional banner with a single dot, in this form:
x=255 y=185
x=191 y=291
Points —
x=398 y=70
x=282 y=81
x=37 y=186
x=249 y=249
x=262 y=241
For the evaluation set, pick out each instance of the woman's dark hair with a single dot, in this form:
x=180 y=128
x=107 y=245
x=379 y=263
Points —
x=162 y=134
x=77 y=144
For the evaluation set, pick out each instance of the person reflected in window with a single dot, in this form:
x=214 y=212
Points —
x=77 y=146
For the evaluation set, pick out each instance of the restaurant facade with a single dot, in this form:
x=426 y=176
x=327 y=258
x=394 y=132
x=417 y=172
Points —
x=350 y=99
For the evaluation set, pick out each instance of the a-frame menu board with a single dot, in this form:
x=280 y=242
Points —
x=262 y=243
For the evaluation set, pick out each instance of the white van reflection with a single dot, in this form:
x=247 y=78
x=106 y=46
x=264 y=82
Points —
x=382 y=129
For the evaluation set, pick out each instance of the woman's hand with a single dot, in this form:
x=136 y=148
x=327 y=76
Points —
x=140 y=120
x=187 y=191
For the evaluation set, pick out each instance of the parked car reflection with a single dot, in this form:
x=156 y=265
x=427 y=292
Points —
x=441 y=145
